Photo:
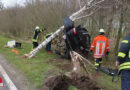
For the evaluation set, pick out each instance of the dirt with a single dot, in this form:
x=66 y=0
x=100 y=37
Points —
x=62 y=82
x=16 y=76
x=63 y=64
x=97 y=75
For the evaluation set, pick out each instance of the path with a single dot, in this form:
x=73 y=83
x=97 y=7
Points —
x=16 y=76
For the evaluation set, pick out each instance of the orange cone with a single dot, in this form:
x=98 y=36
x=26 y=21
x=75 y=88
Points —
x=1 y=82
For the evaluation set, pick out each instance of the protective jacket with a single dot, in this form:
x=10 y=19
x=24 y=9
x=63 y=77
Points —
x=124 y=54
x=47 y=35
x=35 y=35
x=100 y=46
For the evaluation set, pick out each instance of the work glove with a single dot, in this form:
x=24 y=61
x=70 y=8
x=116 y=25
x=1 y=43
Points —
x=107 y=53
x=117 y=64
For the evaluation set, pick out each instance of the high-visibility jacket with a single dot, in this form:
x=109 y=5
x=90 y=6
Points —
x=47 y=35
x=124 y=54
x=35 y=35
x=100 y=46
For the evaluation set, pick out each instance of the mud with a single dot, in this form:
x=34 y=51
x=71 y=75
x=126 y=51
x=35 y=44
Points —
x=63 y=64
x=62 y=82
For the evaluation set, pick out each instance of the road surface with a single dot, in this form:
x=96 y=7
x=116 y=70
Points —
x=15 y=76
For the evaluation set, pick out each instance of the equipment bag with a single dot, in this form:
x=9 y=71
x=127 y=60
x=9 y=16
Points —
x=111 y=72
x=18 y=45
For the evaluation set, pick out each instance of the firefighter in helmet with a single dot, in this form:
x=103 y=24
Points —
x=35 y=36
x=100 y=47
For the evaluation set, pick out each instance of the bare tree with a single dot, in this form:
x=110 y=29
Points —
x=1 y=5
x=122 y=12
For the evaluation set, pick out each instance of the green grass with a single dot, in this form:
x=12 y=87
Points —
x=72 y=88
x=35 y=69
x=106 y=82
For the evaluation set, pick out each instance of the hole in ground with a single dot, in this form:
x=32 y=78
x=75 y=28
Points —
x=63 y=82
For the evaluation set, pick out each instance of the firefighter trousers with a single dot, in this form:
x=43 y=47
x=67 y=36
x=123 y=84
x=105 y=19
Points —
x=35 y=44
x=98 y=62
x=125 y=80
x=48 y=47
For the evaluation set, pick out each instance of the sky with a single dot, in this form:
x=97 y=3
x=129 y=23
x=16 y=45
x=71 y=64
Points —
x=11 y=3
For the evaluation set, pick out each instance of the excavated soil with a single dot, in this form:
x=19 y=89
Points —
x=63 y=64
x=62 y=82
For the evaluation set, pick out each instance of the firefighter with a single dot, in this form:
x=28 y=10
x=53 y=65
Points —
x=35 y=36
x=48 y=46
x=100 y=47
x=123 y=62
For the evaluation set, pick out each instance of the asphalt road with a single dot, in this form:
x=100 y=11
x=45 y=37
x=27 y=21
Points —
x=16 y=76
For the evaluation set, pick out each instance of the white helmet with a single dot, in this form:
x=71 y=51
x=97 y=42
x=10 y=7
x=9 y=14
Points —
x=101 y=31
x=37 y=27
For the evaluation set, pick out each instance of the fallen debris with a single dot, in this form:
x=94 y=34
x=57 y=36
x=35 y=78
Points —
x=62 y=82
x=74 y=78
x=5 y=46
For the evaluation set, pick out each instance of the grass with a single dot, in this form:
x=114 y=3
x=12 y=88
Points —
x=72 y=88
x=35 y=69
x=106 y=82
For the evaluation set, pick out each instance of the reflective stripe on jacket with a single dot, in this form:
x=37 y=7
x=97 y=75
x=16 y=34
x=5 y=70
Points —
x=47 y=35
x=100 y=46
x=124 y=54
x=35 y=35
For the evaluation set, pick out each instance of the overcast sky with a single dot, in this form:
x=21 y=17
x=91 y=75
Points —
x=10 y=3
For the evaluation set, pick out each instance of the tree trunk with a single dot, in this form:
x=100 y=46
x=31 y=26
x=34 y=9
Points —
x=110 y=22
x=120 y=29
